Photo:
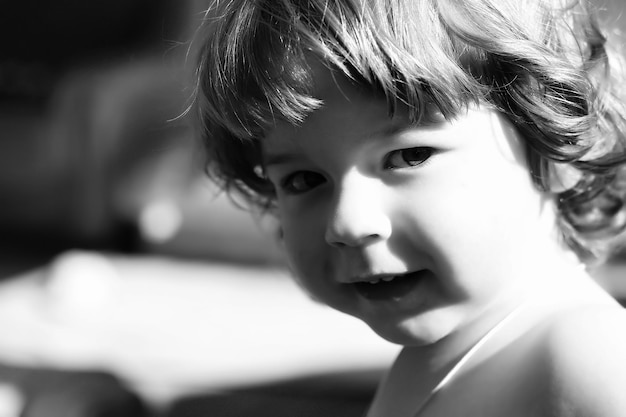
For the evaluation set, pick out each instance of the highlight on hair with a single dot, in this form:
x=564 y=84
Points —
x=543 y=63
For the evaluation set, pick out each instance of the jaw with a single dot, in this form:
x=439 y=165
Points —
x=418 y=330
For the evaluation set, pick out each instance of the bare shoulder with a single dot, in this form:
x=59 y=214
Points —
x=585 y=352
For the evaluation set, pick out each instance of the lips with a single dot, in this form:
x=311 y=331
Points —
x=390 y=287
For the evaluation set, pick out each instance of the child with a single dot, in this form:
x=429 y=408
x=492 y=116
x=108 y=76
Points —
x=440 y=169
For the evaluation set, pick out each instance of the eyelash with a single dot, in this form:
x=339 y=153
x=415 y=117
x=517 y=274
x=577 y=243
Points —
x=290 y=185
x=408 y=160
x=302 y=181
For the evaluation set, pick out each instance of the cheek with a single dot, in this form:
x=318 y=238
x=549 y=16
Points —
x=494 y=188
x=303 y=240
x=310 y=261
x=472 y=215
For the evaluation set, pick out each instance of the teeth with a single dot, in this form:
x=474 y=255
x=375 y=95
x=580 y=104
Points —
x=385 y=279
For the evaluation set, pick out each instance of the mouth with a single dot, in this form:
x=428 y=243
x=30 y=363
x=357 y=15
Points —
x=390 y=287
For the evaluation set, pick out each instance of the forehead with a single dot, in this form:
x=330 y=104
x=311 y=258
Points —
x=353 y=112
x=343 y=101
x=332 y=85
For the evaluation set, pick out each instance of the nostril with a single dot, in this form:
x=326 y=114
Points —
x=358 y=228
x=352 y=240
x=337 y=244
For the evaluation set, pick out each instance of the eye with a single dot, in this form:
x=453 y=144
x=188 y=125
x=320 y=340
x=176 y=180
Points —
x=301 y=182
x=405 y=158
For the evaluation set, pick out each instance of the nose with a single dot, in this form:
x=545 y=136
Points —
x=357 y=216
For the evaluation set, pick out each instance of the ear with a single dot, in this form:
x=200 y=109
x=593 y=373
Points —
x=562 y=177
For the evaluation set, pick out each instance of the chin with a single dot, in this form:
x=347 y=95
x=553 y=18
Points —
x=410 y=333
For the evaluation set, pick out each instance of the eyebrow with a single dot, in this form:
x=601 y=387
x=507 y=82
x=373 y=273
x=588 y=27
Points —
x=393 y=129
x=278 y=158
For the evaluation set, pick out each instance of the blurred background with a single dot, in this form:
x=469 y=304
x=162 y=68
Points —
x=128 y=285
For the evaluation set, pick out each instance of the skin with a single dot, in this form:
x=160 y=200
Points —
x=352 y=210
x=448 y=205
x=562 y=355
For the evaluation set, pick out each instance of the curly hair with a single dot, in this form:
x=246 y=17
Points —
x=545 y=64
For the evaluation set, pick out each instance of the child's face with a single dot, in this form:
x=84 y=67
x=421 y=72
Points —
x=446 y=211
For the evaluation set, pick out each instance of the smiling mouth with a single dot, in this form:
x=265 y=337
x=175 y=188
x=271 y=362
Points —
x=390 y=287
